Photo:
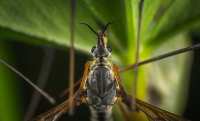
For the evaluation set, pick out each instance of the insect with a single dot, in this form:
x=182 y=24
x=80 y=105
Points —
x=101 y=96
x=100 y=87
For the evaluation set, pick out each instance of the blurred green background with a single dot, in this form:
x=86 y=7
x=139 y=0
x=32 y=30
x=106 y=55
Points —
x=35 y=32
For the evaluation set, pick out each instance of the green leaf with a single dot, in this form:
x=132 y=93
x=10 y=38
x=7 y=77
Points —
x=46 y=22
x=10 y=107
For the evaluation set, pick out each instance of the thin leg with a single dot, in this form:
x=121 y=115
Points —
x=81 y=83
x=43 y=93
x=127 y=99
x=66 y=91
x=56 y=112
x=57 y=116
x=163 y=56
x=41 y=82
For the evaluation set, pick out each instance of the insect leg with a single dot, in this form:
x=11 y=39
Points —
x=57 y=116
x=127 y=99
x=163 y=56
x=85 y=75
x=81 y=92
x=66 y=91
x=77 y=100
x=47 y=62
x=56 y=112
x=81 y=82
x=43 y=93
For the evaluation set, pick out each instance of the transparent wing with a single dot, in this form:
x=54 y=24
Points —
x=75 y=88
x=51 y=114
x=56 y=112
x=156 y=114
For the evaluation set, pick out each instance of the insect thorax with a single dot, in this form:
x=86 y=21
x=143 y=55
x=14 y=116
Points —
x=101 y=87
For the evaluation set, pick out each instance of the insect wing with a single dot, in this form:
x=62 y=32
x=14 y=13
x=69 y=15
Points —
x=54 y=113
x=156 y=114
x=75 y=88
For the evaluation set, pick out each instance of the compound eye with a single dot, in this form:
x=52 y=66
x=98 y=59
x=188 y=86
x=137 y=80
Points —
x=109 y=49
x=93 y=48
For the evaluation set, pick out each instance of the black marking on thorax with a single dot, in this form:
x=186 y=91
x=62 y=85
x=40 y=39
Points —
x=101 y=86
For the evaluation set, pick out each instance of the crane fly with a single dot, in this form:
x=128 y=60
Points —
x=100 y=86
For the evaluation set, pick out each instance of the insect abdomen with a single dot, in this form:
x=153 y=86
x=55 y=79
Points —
x=101 y=116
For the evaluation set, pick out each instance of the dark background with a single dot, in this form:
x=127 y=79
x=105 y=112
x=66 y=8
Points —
x=193 y=104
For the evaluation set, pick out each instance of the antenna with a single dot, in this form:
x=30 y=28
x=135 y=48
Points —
x=106 y=26
x=101 y=40
x=90 y=28
x=43 y=93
